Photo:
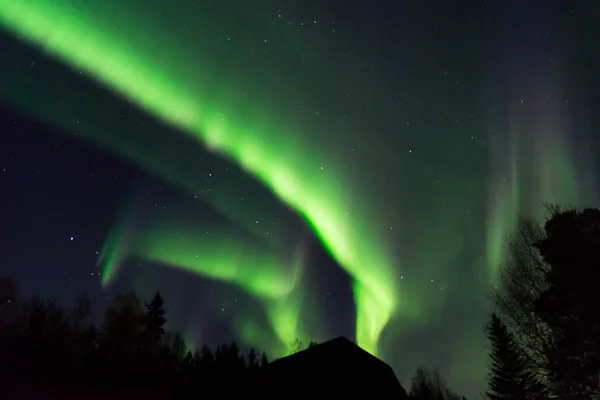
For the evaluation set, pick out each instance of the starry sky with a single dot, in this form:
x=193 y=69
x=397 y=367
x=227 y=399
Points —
x=283 y=169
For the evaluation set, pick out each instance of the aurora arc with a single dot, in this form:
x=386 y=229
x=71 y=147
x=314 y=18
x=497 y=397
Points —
x=258 y=269
x=81 y=41
x=221 y=256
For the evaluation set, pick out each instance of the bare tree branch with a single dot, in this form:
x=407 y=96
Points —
x=521 y=281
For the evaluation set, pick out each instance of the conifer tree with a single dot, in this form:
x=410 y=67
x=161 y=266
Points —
x=510 y=378
x=155 y=321
x=264 y=359
x=253 y=360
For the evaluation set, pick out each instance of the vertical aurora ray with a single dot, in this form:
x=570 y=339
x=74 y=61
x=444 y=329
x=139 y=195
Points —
x=534 y=166
x=285 y=315
x=504 y=197
x=248 y=138
x=115 y=249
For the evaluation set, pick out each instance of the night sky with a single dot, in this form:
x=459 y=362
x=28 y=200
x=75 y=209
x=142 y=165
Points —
x=283 y=169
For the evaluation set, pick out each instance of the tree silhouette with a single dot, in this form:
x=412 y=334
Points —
x=173 y=357
x=421 y=387
x=86 y=349
x=207 y=357
x=44 y=343
x=568 y=305
x=521 y=280
x=154 y=322
x=420 y=391
x=546 y=295
x=296 y=346
x=45 y=337
x=121 y=339
x=80 y=313
x=123 y=323
x=426 y=385
x=263 y=359
x=177 y=346
x=510 y=376
x=253 y=360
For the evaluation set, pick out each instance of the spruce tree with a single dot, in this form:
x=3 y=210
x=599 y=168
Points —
x=264 y=360
x=253 y=360
x=155 y=321
x=510 y=378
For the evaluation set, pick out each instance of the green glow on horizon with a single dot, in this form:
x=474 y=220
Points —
x=248 y=138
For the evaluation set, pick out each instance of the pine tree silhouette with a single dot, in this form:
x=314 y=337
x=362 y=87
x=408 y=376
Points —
x=264 y=360
x=509 y=378
x=155 y=320
x=253 y=360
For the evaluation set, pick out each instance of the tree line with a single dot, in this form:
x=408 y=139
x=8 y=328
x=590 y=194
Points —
x=545 y=330
x=42 y=341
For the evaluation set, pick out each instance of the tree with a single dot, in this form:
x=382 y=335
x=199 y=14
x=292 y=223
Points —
x=177 y=346
x=123 y=323
x=253 y=360
x=521 y=280
x=234 y=359
x=47 y=343
x=173 y=358
x=46 y=338
x=426 y=385
x=81 y=311
x=263 y=359
x=155 y=320
x=86 y=353
x=545 y=295
x=207 y=359
x=510 y=377
x=420 y=386
x=568 y=305
x=88 y=341
x=296 y=346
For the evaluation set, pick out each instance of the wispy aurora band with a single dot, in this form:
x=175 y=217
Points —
x=535 y=147
x=221 y=256
x=82 y=42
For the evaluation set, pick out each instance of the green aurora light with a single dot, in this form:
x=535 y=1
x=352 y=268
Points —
x=530 y=164
x=86 y=39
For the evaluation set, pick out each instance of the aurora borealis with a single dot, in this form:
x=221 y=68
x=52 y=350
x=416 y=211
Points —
x=297 y=143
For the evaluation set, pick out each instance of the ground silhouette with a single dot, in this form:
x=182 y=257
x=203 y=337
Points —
x=51 y=351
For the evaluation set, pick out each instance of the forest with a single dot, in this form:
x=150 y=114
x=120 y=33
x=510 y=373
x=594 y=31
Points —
x=544 y=330
x=44 y=342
